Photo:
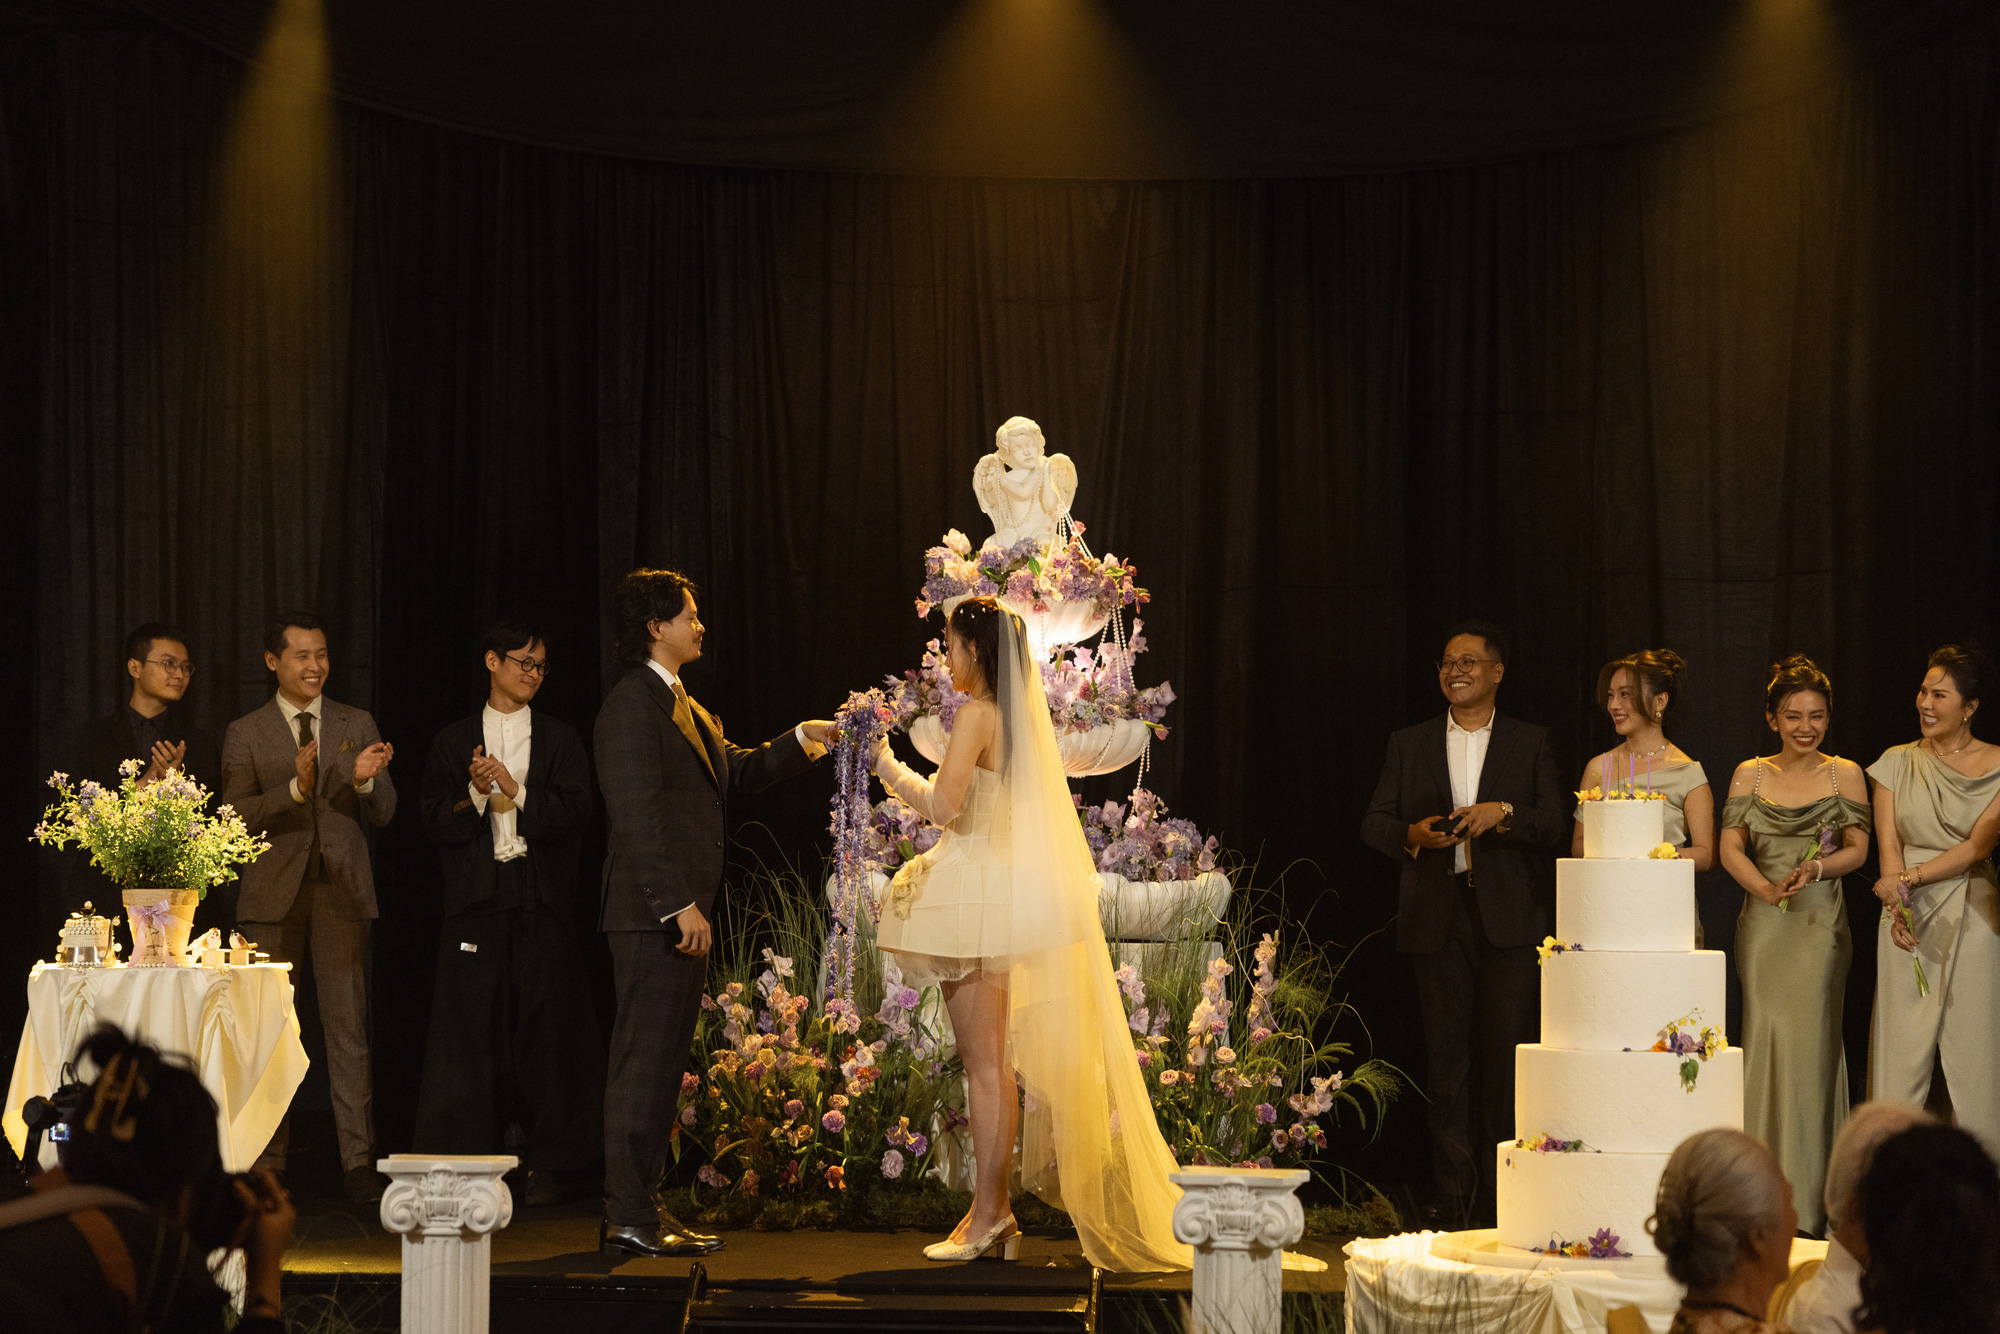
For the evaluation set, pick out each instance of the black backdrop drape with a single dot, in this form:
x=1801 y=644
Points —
x=1727 y=390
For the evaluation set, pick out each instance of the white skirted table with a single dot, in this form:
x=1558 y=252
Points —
x=236 y=1025
x=1410 y=1283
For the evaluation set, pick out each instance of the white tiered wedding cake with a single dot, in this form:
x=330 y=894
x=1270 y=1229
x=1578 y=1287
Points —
x=1631 y=1060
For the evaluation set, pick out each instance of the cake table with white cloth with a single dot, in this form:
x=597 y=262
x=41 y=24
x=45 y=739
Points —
x=236 y=1025
x=1410 y=1283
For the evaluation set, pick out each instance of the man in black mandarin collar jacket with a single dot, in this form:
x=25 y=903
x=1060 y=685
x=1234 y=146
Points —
x=1471 y=908
x=667 y=773
x=514 y=1039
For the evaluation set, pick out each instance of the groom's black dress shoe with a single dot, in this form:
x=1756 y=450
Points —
x=656 y=1242
x=668 y=1223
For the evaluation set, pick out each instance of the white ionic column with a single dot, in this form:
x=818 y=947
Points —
x=1239 y=1221
x=446 y=1207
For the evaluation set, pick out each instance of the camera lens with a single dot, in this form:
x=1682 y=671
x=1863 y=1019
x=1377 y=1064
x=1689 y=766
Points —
x=218 y=1210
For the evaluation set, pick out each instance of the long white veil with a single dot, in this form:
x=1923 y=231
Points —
x=1090 y=1143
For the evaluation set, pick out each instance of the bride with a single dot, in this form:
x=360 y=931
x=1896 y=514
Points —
x=1002 y=915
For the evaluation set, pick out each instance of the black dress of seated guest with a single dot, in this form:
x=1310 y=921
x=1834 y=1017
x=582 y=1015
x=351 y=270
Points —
x=95 y=751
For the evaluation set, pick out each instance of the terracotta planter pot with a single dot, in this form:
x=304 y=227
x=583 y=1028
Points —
x=165 y=947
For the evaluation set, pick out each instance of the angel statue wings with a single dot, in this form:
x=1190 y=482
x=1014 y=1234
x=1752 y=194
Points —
x=1023 y=489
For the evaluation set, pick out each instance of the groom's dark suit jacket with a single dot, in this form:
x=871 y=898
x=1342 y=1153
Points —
x=667 y=772
x=1511 y=871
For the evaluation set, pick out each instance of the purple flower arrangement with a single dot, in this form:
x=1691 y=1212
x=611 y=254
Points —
x=793 y=1100
x=1090 y=688
x=1086 y=688
x=1033 y=574
x=1681 y=1038
x=1550 y=1144
x=1903 y=905
x=1601 y=1245
x=153 y=835
x=861 y=724
x=1219 y=1087
x=1140 y=843
x=894 y=834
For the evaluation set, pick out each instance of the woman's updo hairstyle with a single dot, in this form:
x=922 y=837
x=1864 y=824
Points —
x=1790 y=676
x=977 y=622
x=1657 y=671
x=1719 y=1188
x=146 y=1125
x=1970 y=670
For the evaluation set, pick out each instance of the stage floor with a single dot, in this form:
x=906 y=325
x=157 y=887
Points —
x=548 y=1274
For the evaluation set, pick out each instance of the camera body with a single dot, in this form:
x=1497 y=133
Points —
x=1447 y=826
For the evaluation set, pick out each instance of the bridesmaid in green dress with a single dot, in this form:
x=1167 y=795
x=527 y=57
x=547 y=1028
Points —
x=1937 y=812
x=1636 y=692
x=1795 y=824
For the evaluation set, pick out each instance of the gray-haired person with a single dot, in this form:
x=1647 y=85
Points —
x=1827 y=1298
x=1724 y=1220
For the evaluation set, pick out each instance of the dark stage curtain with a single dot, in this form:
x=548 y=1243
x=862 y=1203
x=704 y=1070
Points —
x=1119 y=89
x=1728 y=390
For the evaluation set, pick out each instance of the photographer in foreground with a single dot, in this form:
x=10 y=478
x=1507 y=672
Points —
x=118 y=1236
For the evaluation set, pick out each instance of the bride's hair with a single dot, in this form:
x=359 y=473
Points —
x=977 y=622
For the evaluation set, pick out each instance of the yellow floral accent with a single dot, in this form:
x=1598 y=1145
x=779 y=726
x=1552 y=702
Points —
x=908 y=884
x=1550 y=945
x=1665 y=852
x=1591 y=794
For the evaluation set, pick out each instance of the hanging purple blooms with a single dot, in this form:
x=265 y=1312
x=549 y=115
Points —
x=861 y=724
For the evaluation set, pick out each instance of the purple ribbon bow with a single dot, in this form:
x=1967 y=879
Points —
x=155 y=915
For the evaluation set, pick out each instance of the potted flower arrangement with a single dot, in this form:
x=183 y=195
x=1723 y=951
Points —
x=155 y=842
x=1250 y=1090
x=1060 y=589
x=1160 y=878
x=1103 y=719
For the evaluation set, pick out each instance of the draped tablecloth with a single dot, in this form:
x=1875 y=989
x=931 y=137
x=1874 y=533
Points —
x=1396 y=1285
x=236 y=1025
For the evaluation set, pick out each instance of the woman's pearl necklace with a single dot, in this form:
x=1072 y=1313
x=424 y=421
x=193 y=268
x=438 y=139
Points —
x=1645 y=754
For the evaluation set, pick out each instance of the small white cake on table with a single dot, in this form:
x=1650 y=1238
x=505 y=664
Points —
x=1598 y=1110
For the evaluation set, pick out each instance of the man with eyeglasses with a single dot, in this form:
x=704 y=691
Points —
x=154 y=728
x=516 y=1059
x=1471 y=807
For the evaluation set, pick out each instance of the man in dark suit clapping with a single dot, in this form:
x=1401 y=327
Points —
x=514 y=1041
x=1470 y=806
x=667 y=773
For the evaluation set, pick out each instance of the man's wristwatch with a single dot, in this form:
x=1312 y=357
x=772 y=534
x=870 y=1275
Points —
x=1506 y=817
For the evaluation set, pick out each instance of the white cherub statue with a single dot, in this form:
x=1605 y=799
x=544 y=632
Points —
x=1022 y=489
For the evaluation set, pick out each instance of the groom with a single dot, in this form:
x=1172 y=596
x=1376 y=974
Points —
x=666 y=773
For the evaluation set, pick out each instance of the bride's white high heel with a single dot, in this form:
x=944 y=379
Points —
x=1009 y=1244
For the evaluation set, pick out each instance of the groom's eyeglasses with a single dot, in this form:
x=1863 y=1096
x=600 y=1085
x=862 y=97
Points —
x=529 y=666
x=1461 y=664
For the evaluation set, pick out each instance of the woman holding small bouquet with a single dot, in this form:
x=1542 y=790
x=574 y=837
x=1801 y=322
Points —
x=1002 y=915
x=1794 y=824
x=1635 y=692
x=1937 y=812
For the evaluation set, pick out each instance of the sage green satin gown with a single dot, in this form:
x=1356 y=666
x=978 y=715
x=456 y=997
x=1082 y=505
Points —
x=1793 y=965
x=1958 y=935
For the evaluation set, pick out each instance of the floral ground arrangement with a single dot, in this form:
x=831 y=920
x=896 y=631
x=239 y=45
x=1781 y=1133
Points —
x=801 y=1118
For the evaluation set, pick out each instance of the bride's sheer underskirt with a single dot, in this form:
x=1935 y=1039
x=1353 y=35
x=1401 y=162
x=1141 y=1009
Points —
x=937 y=970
